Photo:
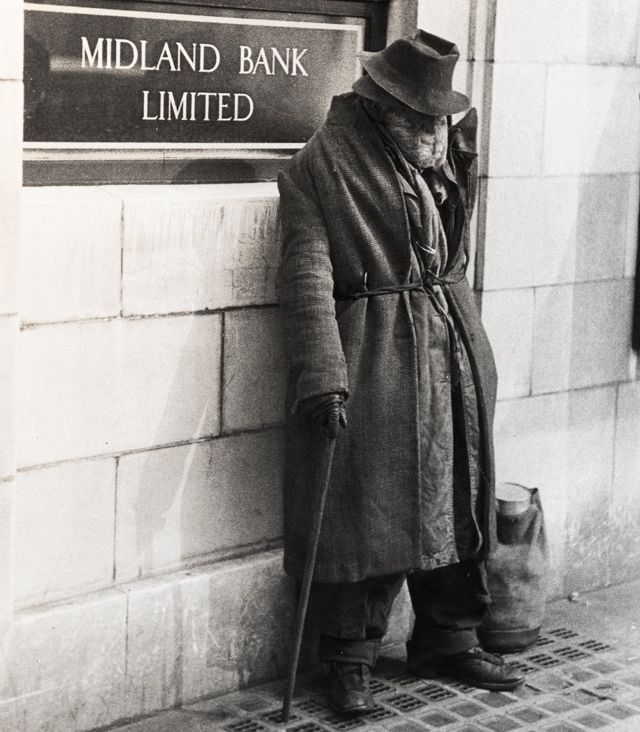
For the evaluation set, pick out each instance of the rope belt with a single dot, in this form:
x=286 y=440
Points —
x=392 y=289
x=437 y=298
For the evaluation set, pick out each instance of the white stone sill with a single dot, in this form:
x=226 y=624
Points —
x=197 y=193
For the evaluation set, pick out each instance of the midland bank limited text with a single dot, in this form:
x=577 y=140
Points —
x=122 y=54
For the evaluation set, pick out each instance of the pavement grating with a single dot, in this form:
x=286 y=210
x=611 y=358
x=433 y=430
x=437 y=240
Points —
x=573 y=682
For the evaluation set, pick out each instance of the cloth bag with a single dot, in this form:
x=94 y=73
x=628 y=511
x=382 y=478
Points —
x=517 y=578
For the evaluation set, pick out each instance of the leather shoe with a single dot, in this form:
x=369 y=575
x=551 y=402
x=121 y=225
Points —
x=477 y=668
x=349 y=692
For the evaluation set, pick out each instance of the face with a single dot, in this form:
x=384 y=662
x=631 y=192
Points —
x=421 y=137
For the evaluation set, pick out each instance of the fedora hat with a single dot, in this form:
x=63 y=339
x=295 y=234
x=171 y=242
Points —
x=416 y=71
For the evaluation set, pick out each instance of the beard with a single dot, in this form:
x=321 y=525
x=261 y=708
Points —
x=422 y=138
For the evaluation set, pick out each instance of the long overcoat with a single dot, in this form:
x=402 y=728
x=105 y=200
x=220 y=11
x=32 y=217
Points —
x=344 y=230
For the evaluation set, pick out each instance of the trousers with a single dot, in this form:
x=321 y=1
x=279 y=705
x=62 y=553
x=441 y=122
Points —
x=449 y=604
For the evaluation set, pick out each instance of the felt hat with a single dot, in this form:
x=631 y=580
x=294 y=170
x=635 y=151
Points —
x=416 y=71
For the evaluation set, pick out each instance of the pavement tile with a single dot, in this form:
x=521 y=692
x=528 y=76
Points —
x=576 y=680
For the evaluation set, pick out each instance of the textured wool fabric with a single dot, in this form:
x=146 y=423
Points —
x=345 y=229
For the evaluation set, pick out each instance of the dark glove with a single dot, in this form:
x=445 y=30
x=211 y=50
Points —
x=327 y=410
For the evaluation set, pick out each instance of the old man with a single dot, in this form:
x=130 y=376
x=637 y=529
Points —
x=387 y=352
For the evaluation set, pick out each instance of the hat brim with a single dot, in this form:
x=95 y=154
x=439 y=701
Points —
x=427 y=100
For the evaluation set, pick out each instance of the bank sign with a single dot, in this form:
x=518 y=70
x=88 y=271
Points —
x=108 y=78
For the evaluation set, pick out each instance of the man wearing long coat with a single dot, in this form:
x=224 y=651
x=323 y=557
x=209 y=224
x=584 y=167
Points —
x=386 y=347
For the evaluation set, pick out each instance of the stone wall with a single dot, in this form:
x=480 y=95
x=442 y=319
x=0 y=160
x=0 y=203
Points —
x=559 y=235
x=145 y=517
x=150 y=387
x=10 y=190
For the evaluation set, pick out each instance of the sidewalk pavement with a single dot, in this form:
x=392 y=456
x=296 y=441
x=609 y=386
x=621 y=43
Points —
x=584 y=674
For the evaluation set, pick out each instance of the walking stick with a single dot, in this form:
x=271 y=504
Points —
x=307 y=577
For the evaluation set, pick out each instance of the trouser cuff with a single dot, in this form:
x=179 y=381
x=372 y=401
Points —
x=439 y=642
x=348 y=651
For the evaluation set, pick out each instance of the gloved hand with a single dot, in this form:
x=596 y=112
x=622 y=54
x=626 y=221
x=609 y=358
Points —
x=327 y=410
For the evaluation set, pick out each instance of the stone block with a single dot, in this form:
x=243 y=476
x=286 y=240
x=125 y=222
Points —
x=66 y=391
x=582 y=335
x=448 y=19
x=517 y=122
x=601 y=329
x=255 y=369
x=10 y=184
x=7 y=551
x=155 y=650
x=603 y=205
x=8 y=338
x=624 y=508
x=193 y=248
x=184 y=504
x=571 y=31
x=552 y=339
x=531 y=240
x=508 y=318
x=9 y=236
x=63 y=667
x=88 y=389
x=236 y=623
x=169 y=380
x=594 y=99
x=590 y=468
x=64 y=530
x=531 y=442
x=11 y=22
x=11 y=104
x=633 y=213
x=69 y=261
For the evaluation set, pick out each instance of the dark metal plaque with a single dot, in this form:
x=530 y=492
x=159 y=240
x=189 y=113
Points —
x=111 y=80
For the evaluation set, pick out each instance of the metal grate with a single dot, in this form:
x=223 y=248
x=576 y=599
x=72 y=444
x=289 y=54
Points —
x=566 y=688
x=544 y=660
x=434 y=692
x=543 y=641
x=379 y=713
x=404 y=702
x=564 y=633
x=379 y=687
x=275 y=717
x=405 y=680
x=595 y=646
x=461 y=686
x=523 y=667
x=246 y=725
x=572 y=653
x=310 y=706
